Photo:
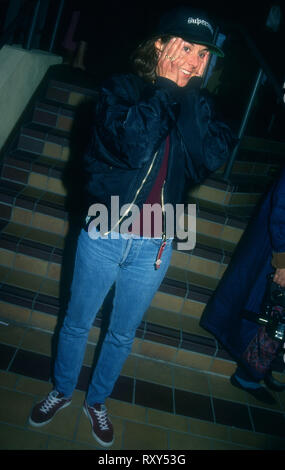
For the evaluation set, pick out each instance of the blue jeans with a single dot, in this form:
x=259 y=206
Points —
x=99 y=264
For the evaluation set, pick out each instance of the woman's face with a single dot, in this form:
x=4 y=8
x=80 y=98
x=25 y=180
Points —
x=180 y=60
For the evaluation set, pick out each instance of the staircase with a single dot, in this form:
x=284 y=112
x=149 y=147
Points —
x=176 y=371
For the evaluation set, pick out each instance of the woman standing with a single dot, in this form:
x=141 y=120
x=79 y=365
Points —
x=154 y=131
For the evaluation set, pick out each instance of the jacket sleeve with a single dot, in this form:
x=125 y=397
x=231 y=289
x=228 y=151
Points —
x=132 y=120
x=277 y=223
x=208 y=141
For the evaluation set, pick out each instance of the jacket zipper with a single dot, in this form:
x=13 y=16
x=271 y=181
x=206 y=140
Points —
x=163 y=241
x=136 y=195
x=163 y=213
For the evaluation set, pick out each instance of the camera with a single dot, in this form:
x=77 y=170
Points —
x=272 y=314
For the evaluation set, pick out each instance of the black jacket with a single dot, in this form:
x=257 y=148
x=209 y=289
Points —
x=131 y=123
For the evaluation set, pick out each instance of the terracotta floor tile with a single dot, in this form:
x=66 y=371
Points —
x=193 y=405
x=15 y=407
x=242 y=437
x=50 y=287
x=30 y=264
x=143 y=437
x=4 y=273
x=7 y=258
x=8 y=379
x=163 y=317
x=127 y=411
x=42 y=320
x=6 y=355
x=14 y=312
x=232 y=414
x=37 y=341
x=123 y=389
x=40 y=388
x=55 y=443
x=129 y=367
x=180 y=441
x=37 y=366
x=167 y=420
x=267 y=421
x=221 y=387
x=193 y=360
x=12 y=334
x=276 y=443
x=152 y=371
x=191 y=380
x=219 y=445
x=158 y=351
x=154 y=396
x=14 y=438
x=274 y=406
x=24 y=280
x=207 y=429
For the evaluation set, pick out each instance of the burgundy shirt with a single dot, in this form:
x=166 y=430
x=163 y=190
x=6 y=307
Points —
x=154 y=196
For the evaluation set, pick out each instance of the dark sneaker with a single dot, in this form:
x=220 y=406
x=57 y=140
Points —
x=46 y=409
x=102 y=428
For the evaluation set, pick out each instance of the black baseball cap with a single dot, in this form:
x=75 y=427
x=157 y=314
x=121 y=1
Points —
x=191 y=25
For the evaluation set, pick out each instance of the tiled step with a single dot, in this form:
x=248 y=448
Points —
x=170 y=329
x=257 y=156
x=175 y=366
x=67 y=94
x=201 y=268
x=43 y=175
x=28 y=206
x=31 y=266
x=156 y=387
x=62 y=117
x=251 y=164
x=40 y=252
x=56 y=117
x=231 y=199
x=188 y=404
x=152 y=342
x=39 y=145
x=264 y=146
x=34 y=170
x=44 y=141
x=36 y=209
x=215 y=231
x=34 y=300
x=236 y=199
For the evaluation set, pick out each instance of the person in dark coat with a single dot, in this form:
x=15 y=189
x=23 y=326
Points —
x=153 y=132
x=229 y=315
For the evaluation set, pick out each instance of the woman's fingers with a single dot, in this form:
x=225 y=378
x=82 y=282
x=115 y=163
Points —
x=173 y=49
x=167 y=66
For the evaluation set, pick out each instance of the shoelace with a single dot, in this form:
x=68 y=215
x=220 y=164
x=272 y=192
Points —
x=102 y=417
x=49 y=403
